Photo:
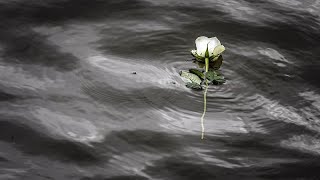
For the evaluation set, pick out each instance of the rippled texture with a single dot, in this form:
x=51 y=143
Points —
x=73 y=108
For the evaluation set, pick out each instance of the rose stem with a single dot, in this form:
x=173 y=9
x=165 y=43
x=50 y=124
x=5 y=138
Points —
x=207 y=64
x=204 y=98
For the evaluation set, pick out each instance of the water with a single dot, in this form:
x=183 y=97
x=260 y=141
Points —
x=72 y=107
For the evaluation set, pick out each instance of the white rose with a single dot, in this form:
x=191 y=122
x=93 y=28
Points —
x=208 y=47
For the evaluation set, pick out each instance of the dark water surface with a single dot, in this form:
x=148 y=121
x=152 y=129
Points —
x=71 y=107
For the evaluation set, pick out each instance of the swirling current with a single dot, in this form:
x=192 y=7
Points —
x=90 y=90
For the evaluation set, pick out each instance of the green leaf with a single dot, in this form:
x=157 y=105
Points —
x=214 y=77
x=218 y=81
x=210 y=75
x=194 y=86
x=215 y=65
x=197 y=72
x=219 y=77
x=194 y=78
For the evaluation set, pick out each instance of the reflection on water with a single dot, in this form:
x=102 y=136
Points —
x=91 y=90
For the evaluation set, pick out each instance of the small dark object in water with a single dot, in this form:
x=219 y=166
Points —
x=134 y=72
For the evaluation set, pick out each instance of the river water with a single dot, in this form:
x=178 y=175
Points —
x=90 y=90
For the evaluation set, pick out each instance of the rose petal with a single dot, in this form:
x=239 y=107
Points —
x=194 y=52
x=213 y=43
x=202 y=44
x=218 y=50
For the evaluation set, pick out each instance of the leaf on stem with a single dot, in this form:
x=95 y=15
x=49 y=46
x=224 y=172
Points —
x=194 y=86
x=197 y=72
x=215 y=65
